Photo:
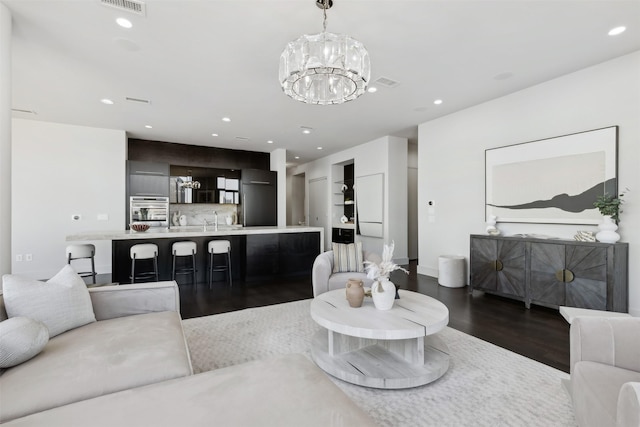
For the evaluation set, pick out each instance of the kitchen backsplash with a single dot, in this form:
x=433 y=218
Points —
x=197 y=213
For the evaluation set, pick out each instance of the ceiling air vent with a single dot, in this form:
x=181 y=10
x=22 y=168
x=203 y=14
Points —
x=133 y=6
x=138 y=100
x=242 y=138
x=386 y=82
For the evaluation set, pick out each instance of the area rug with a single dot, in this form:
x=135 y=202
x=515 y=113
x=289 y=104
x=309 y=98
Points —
x=485 y=385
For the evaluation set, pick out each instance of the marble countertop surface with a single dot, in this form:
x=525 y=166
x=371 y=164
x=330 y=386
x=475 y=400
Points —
x=189 y=231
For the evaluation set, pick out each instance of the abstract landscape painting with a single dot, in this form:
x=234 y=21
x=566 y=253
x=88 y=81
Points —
x=554 y=180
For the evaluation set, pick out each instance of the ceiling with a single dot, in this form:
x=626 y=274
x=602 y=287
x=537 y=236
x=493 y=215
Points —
x=199 y=61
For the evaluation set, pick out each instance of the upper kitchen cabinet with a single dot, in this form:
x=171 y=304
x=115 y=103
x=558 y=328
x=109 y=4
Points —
x=148 y=179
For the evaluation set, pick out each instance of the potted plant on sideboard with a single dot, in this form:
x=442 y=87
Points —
x=610 y=209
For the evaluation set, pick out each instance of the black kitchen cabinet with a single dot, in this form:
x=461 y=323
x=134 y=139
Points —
x=552 y=272
x=253 y=256
x=262 y=256
x=148 y=179
x=259 y=198
x=342 y=235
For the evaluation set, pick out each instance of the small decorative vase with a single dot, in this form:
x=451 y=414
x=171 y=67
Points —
x=383 y=293
x=491 y=226
x=355 y=292
x=607 y=233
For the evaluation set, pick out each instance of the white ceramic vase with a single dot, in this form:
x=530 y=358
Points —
x=607 y=233
x=383 y=293
x=492 y=230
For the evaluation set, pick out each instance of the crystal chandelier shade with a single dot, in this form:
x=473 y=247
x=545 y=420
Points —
x=324 y=68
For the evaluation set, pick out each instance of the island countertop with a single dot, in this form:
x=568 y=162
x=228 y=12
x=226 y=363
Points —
x=191 y=231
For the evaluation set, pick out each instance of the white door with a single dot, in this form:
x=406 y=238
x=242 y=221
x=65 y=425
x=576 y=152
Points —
x=318 y=206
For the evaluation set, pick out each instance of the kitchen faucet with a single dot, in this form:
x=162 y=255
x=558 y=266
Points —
x=215 y=220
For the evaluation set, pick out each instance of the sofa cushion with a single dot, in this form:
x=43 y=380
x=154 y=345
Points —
x=62 y=303
x=96 y=359
x=285 y=391
x=21 y=339
x=595 y=388
x=347 y=257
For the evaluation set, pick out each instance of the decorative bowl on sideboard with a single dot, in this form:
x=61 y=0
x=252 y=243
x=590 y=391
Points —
x=139 y=227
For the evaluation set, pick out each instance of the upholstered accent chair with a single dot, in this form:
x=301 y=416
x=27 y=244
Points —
x=324 y=279
x=605 y=371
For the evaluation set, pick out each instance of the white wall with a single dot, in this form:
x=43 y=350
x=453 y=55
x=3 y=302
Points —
x=60 y=170
x=5 y=140
x=278 y=162
x=387 y=155
x=451 y=156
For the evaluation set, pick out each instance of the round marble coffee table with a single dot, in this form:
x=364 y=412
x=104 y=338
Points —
x=390 y=349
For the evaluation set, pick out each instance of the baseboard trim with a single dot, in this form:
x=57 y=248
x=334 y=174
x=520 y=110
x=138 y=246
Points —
x=427 y=271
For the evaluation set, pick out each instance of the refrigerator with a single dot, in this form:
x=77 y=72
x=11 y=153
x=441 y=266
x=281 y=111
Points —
x=259 y=198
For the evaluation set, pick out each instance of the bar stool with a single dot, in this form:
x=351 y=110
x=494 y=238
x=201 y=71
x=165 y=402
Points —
x=220 y=247
x=85 y=251
x=184 y=249
x=144 y=251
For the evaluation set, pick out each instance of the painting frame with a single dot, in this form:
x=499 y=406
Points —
x=553 y=180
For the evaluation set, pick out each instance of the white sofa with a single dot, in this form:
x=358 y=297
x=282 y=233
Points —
x=605 y=371
x=132 y=368
x=136 y=340
x=324 y=279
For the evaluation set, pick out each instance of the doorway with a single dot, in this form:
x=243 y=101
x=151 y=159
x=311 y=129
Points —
x=319 y=205
x=297 y=201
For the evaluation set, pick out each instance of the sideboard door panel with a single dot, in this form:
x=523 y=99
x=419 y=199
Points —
x=511 y=279
x=588 y=289
x=498 y=266
x=546 y=261
x=483 y=254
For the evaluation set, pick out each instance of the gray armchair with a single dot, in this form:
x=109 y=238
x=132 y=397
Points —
x=605 y=371
x=324 y=279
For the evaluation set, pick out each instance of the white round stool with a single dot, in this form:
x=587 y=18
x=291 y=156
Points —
x=220 y=247
x=144 y=251
x=84 y=251
x=451 y=271
x=185 y=249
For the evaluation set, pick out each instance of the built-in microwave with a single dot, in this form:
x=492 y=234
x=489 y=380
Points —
x=149 y=210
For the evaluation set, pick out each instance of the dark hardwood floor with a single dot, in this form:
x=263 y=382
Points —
x=538 y=333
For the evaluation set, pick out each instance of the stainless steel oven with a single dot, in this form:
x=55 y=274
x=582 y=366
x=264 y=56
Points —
x=150 y=210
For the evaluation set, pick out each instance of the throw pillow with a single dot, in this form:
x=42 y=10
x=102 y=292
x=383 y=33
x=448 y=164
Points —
x=347 y=257
x=21 y=339
x=62 y=303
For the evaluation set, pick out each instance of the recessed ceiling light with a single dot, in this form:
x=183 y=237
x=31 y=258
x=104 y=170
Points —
x=214 y=134
x=226 y=119
x=306 y=130
x=372 y=89
x=319 y=148
x=269 y=142
x=296 y=157
x=106 y=101
x=148 y=126
x=438 y=101
x=617 y=30
x=124 y=23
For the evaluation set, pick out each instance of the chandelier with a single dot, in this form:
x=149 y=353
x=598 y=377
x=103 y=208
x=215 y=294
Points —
x=324 y=68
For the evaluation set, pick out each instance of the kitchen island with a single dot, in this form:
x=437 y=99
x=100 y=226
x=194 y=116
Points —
x=256 y=252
